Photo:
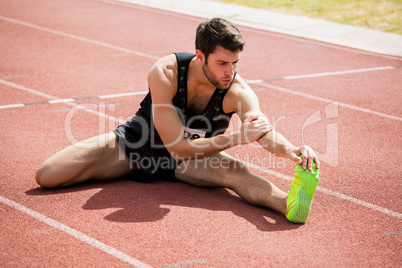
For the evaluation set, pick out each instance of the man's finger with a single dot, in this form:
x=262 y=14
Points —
x=251 y=118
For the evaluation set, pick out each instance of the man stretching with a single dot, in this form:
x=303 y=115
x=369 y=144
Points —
x=178 y=134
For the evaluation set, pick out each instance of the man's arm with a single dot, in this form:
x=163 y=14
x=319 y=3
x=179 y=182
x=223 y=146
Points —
x=162 y=80
x=277 y=144
x=273 y=141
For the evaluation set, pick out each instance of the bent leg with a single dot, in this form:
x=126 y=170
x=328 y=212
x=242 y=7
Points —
x=222 y=170
x=99 y=157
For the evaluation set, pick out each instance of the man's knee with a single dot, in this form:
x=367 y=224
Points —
x=42 y=178
x=52 y=174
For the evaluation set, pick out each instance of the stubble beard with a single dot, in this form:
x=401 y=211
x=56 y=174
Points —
x=212 y=78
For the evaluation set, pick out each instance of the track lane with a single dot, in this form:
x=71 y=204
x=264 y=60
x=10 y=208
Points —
x=374 y=91
x=190 y=210
x=179 y=209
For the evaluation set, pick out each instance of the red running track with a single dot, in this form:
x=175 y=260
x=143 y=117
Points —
x=345 y=103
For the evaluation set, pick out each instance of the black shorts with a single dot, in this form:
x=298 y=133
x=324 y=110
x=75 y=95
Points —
x=143 y=146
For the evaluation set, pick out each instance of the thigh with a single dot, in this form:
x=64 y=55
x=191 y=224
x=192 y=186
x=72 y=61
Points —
x=212 y=171
x=99 y=157
x=106 y=159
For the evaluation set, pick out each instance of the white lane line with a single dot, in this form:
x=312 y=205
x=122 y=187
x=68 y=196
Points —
x=364 y=70
x=352 y=107
x=182 y=263
x=56 y=100
x=74 y=233
x=56 y=111
x=67 y=110
x=330 y=192
x=12 y=106
x=29 y=90
x=78 y=107
x=292 y=77
x=360 y=202
x=15 y=76
x=83 y=39
x=61 y=100
x=393 y=233
x=110 y=96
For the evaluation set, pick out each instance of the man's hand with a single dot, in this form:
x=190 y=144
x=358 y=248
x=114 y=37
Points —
x=307 y=158
x=253 y=128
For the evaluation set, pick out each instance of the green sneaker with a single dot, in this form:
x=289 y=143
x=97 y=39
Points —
x=301 y=194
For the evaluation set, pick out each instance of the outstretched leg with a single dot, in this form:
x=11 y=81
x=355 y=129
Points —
x=99 y=157
x=222 y=170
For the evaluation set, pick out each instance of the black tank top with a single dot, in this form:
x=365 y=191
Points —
x=211 y=122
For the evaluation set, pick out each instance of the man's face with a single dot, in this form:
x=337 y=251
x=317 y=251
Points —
x=221 y=67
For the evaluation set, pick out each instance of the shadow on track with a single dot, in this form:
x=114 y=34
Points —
x=145 y=202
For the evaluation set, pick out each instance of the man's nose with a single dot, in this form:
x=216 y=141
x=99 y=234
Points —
x=229 y=70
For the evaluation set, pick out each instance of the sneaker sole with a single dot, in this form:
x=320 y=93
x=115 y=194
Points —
x=299 y=211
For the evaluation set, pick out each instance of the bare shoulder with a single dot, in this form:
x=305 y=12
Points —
x=162 y=77
x=239 y=93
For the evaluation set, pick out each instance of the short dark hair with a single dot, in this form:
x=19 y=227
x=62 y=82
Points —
x=218 y=32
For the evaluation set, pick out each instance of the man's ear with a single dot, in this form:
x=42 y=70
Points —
x=200 y=56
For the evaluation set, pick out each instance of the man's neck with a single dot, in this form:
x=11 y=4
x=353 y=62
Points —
x=197 y=77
